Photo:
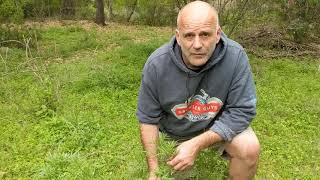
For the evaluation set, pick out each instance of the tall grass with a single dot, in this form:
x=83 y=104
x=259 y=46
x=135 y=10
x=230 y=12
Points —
x=81 y=123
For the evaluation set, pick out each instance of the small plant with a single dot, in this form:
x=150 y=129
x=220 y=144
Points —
x=49 y=86
x=166 y=149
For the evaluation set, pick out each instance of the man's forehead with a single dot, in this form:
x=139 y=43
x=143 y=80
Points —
x=197 y=8
x=194 y=27
x=197 y=12
x=193 y=21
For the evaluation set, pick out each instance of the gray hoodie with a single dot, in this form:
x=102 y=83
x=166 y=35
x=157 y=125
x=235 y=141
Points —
x=184 y=103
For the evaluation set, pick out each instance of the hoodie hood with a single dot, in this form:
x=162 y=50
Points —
x=217 y=55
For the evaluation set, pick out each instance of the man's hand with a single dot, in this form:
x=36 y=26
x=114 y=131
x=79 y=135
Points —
x=188 y=151
x=185 y=156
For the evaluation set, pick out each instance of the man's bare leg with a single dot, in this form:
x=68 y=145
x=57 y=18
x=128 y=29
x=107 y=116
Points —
x=244 y=152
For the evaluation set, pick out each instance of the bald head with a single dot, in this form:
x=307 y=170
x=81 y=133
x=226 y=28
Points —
x=197 y=11
x=197 y=33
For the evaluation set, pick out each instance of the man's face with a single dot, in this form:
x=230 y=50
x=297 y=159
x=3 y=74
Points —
x=197 y=41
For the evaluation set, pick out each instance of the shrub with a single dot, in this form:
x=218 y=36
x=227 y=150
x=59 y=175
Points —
x=15 y=36
x=10 y=11
x=301 y=17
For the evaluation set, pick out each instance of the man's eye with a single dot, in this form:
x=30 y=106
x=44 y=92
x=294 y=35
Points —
x=189 y=36
x=205 y=35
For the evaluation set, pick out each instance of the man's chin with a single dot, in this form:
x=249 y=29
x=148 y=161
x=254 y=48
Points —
x=199 y=62
x=197 y=66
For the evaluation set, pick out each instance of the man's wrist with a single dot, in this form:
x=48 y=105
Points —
x=197 y=143
x=153 y=164
x=153 y=167
x=206 y=139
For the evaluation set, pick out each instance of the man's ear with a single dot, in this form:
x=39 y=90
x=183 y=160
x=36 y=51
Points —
x=219 y=31
x=178 y=36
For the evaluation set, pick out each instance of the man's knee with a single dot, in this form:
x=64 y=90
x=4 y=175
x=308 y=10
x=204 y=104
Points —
x=251 y=152
x=245 y=147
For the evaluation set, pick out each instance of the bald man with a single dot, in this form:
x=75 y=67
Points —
x=198 y=89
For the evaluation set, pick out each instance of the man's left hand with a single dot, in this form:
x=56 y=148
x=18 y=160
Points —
x=185 y=156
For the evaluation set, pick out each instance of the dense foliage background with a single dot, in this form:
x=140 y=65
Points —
x=284 y=27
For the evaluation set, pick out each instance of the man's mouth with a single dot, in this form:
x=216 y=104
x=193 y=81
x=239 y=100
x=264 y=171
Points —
x=198 y=54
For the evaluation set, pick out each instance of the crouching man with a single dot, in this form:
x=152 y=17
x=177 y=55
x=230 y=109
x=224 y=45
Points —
x=198 y=89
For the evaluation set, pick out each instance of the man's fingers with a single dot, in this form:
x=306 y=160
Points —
x=173 y=156
x=178 y=165
x=173 y=162
x=182 y=166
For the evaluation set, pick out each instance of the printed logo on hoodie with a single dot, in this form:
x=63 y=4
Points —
x=198 y=108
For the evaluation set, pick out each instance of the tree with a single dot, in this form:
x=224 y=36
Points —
x=181 y=3
x=131 y=8
x=100 y=17
x=68 y=8
x=110 y=4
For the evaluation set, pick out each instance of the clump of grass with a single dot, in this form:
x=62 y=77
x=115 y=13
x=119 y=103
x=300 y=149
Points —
x=166 y=149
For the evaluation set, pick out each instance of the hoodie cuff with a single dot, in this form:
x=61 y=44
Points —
x=225 y=132
x=143 y=118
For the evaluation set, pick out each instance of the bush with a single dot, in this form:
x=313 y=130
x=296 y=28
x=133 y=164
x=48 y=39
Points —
x=155 y=13
x=86 y=12
x=15 y=36
x=10 y=12
x=301 y=17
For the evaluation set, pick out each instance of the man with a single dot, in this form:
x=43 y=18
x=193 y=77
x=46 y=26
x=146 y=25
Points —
x=199 y=90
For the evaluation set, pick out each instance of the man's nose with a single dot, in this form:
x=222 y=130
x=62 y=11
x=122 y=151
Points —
x=197 y=43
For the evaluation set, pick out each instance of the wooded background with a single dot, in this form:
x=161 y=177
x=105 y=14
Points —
x=285 y=25
x=296 y=13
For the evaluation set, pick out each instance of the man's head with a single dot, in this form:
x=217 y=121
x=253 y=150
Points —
x=197 y=33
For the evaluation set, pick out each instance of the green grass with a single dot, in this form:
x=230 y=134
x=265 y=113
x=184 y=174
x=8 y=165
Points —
x=79 y=122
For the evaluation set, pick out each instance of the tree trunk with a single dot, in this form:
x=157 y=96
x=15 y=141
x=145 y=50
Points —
x=132 y=9
x=152 y=7
x=110 y=5
x=68 y=8
x=100 y=17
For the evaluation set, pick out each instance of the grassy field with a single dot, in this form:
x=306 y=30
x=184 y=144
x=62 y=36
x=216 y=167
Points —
x=67 y=108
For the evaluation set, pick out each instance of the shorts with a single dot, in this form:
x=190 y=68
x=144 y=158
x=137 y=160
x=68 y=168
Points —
x=221 y=146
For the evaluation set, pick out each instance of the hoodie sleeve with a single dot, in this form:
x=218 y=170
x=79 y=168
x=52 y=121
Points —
x=148 y=109
x=240 y=107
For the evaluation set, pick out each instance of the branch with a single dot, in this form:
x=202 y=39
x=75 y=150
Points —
x=240 y=15
x=7 y=41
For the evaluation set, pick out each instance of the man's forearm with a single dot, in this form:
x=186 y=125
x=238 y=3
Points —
x=206 y=139
x=149 y=137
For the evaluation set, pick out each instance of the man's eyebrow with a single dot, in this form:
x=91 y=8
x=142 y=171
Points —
x=188 y=33
x=206 y=32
